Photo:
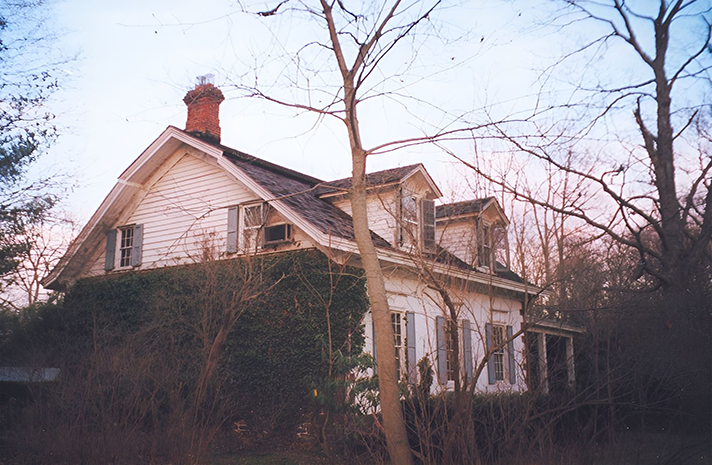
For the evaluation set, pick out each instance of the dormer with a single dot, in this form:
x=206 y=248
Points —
x=470 y=229
x=401 y=206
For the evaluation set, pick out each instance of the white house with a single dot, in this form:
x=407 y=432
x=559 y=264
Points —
x=187 y=196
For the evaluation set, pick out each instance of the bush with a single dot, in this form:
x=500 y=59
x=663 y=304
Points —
x=154 y=363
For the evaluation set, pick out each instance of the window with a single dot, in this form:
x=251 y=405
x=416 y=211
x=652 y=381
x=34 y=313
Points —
x=398 y=337
x=446 y=351
x=247 y=230
x=498 y=354
x=484 y=246
x=409 y=226
x=501 y=365
x=253 y=221
x=416 y=222
x=447 y=348
x=124 y=247
x=450 y=348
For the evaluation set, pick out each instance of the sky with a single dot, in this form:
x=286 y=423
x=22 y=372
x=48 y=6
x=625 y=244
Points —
x=138 y=58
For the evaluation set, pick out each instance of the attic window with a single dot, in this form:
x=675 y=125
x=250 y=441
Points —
x=124 y=247
x=253 y=220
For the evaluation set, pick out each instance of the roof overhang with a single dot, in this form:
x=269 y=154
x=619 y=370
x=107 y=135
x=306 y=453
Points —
x=556 y=328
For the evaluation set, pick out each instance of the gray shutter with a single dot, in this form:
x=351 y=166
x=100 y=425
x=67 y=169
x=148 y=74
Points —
x=232 y=227
x=442 y=349
x=410 y=341
x=399 y=216
x=373 y=338
x=512 y=362
x=427 y=208
x=110 y=250
x=467 y=349
x=137 y=246
x=490 y=362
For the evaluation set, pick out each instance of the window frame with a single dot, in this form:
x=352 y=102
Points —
x=125 y=250
x=243 y=227
x=409 y=224
x=450 y=352
x=124 y=247
x=399 y=341
x=498 y=355
x=411 y=230
x=484 y=245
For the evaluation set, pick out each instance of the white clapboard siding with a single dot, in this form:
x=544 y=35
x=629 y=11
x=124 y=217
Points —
x=181 y=210
x=459 y=238
x=423 y=306
x=381 y=213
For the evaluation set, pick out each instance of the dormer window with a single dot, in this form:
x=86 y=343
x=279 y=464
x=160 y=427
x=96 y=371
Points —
x=484 y=245
x=410 y=224
x=416 y=225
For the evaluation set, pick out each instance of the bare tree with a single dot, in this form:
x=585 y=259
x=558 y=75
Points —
x=45 y=243
x=654 y=189
x=359 y=39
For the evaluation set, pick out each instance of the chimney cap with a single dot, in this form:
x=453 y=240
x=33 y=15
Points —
x=203 y=103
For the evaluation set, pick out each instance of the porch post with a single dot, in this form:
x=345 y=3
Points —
x=570 y=365
x=543 y=364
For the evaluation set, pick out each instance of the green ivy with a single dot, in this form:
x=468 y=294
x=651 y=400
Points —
x=279 y=344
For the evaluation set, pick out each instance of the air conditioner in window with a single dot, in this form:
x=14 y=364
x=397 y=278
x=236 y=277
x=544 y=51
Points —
x=278 y=233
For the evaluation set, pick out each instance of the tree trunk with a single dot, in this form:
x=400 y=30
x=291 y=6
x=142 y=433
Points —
x=393 y=422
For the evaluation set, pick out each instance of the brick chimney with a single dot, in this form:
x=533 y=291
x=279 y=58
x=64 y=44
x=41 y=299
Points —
x=203 y=110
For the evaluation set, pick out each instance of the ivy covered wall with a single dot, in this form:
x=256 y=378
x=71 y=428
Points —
x=155 y=328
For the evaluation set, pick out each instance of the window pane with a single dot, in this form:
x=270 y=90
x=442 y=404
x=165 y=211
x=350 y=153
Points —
x=253 y=216
x=125 y=245
x=409 y=220
x=498 y=355
x=397 y=324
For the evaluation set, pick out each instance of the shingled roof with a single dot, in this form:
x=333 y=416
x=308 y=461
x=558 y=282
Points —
x=378 y=178
x=299 y=192
x=449 y=210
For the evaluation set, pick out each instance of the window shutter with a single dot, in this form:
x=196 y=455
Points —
x=399 y=216
x=490 y=362
x=427 y=208
x=512 y=362
x=373 y=338
x=137 y=247
x=467 y=349
x=110 y=250
x=410 y=341
x=442 y=349
x=232 y=215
